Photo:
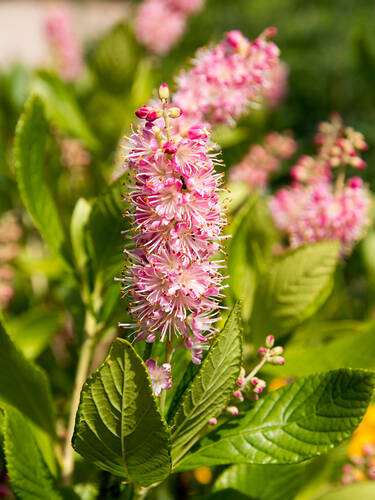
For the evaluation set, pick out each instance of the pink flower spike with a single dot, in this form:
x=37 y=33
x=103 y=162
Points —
x=160 y=376
x=212 y=421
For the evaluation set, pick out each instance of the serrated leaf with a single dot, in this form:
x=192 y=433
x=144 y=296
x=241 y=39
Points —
x=24 y=385
x=210 y=389
x=264 y=482
x=294 y=288
x=119 y=427
x=292 y=424
x=29 y=475
x=30 y=141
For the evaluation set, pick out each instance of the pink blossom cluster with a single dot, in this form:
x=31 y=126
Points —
x=177 y=218
x=261 y=160
x=65 y=47
x=10 y=234
x=225 y=80
x=277 y=89
x=160 y=376
x=160 y=23
x=318 y=207
x=361 y=467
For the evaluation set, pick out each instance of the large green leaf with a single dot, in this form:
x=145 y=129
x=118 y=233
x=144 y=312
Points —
x=292 y=424
x=352 y=351
x=29 y=475
x=294 y=288
x=211 y=388
x=23 y=385
x=264 y=482
x=119 y=427
x=30 y=142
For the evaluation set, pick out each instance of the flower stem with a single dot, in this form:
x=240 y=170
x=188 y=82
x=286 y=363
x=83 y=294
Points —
x=81 y=375
x=256 y=369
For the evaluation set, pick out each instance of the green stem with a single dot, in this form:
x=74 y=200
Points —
x=256 y=369
x=80 y=378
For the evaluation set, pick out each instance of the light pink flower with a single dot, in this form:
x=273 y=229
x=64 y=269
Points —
x=277 y=88
x=160 y=376
x=261 y=161
x=315 y=208
x=158 y=26
x=66 y=50
x=225 y=81
x=174 y=282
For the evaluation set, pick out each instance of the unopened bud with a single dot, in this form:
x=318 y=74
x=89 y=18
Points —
x=240 y=382
x=276 y=351
x=174 y=112
x=238 y=395
x=164 y=91
x=170 y=148
x=262 y=351
x=233 y=410
x=277 y=360
x=212 y=421
x=270 y=340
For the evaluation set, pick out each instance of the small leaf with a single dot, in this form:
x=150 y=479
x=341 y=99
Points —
x=292 y=424
x=264 y=482
x=294 y=288
x=211 y=388
x=119 y=427
x=23 y=385
x=30 y=141
x=29 y=475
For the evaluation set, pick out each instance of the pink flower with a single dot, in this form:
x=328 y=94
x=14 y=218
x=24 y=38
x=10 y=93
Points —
x=160 y=376
x=158 y=26
x=60 y=34
x=276 y=90
x=256 y=167
x=224 y=81
x=174 y=283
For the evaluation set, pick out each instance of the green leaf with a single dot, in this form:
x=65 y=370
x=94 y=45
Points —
x=359 y=491
x=211 y=388
x=294 y=288
x=33 y=330
x=62 y=108
x=227 y=494
x=292 y=424
x=23 y=385
x=265 y=482
x=119 y=427
x=29 y=475
x=354 y=351
x=30 y=141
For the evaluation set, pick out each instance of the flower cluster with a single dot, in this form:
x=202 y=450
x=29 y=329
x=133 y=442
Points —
x=361 y=467
x=177 y=219
x=10 y=234
x=66 y=50
x=318 y=207
x=225 y=80
x=150 y=25
x=261 y=160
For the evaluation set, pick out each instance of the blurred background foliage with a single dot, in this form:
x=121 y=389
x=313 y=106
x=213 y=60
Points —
x=329 y=47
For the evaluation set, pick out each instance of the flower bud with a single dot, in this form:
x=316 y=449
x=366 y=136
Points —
x=174 y=112
x=270 y=340
x=276 y=351
x=277 y=360
x=212 y=421
x=262 y=351
x=164 y=92
x=238 y=395
x=233 y=410
x=170 y=148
